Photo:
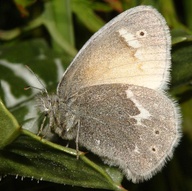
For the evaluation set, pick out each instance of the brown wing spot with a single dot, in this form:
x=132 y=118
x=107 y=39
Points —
x=142 y=33
x=157 y=132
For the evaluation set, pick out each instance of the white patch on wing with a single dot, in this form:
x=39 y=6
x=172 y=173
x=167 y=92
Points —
x=139 y=54
x=129 y=38
x=98 y=142
x=136 y=149
x=144 y=114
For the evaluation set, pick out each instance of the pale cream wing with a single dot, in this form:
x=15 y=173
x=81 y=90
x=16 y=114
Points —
x=133 y=48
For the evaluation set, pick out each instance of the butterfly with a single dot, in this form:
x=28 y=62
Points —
x=111 y=98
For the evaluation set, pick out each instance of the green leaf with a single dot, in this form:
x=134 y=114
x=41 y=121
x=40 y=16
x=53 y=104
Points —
x=15 y=76
x=179 y=35
x=47 y=161
x=84 y=11
x=24 y=3
x=187 y=5
x=9 y=128
x=57 y=17
x=181 y=64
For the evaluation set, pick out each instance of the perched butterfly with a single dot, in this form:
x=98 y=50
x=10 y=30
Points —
x=111 y=99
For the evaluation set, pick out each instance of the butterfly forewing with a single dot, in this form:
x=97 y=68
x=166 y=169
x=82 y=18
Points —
x=133 y=48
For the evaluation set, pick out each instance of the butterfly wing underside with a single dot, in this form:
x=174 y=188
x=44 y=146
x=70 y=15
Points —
x=112 y=92
x=118 y=124
x=133 y=48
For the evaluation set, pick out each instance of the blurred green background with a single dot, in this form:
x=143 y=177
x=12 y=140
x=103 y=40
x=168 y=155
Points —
x=46 y=35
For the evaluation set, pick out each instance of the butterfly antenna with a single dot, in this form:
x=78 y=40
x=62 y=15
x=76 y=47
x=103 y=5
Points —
x=44 y=88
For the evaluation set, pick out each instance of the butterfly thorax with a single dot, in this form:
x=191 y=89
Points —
x=62 y=118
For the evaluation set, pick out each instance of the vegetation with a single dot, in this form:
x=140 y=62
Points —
x=45 y=35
